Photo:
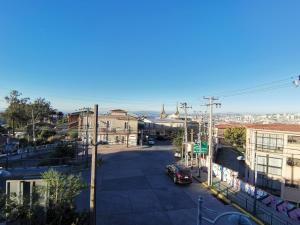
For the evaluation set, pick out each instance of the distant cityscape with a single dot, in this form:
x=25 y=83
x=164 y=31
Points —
x=290 y=118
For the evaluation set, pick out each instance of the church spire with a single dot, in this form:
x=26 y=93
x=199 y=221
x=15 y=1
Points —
x=177 y=111
x=163 y=112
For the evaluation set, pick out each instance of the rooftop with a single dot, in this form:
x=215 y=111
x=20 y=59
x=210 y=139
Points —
x=229 y=125
x=275 y=126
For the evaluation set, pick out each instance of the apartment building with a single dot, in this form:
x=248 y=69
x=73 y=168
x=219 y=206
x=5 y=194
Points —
x=273 y=150
x=115 y=127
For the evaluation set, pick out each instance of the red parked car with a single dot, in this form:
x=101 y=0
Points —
x=179 y=174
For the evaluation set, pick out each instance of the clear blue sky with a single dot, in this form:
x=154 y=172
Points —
x=140 y=54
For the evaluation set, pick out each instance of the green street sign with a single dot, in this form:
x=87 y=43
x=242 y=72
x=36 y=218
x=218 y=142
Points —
x=204 y=148
x=196 y=148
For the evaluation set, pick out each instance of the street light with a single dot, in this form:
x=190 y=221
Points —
x=233 y=218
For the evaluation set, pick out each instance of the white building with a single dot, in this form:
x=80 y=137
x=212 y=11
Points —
x=276 y=149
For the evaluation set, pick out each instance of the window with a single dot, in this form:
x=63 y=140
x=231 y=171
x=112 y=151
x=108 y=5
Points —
x=126 y=125
x=269 y=165
x=269 y=142
x=108 y=124
x=294 y=139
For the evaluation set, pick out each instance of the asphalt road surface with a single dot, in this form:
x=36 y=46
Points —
x=133 y=189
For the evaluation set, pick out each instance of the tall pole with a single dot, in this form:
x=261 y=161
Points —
x=200 y=146
x=127 y=142
x=255 y=176
x=210 y=140
x=94 y=170
x=185 y=107
x=87 y=135
x=142 y=137
x=210 y=151
x=192 y=151
x=33 y=127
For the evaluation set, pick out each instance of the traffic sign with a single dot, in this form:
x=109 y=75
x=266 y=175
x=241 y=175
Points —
x=204 y=148
x=196 y=148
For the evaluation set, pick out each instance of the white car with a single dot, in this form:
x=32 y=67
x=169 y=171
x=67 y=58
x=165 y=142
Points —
x=151 y=142
x=177 y=155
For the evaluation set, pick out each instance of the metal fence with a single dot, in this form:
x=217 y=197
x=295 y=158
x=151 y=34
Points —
x=41 y=156
x=247 y=203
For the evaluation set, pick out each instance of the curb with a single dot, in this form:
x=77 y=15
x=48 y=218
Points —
x=223 y=198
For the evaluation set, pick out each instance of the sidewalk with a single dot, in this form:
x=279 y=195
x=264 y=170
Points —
x=266 y=214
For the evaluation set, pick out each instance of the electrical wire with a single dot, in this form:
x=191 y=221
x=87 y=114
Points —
x=263 y=85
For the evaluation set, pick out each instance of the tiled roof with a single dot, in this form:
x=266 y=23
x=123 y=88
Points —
x=229 y=125
x=276 y=126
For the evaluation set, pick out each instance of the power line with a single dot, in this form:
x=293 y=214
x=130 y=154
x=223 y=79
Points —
x=271 y=88
x=263 y=85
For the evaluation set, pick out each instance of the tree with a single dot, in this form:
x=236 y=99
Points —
x=235 y=136
x=15 y=114
x=41 y=110
x=178 y=140
x=62 y=190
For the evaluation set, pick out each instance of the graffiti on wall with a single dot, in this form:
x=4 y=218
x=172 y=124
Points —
x=231 y=178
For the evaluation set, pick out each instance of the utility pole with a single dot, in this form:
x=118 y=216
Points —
x=128 y=130
x=142 y=137
x=210 y=138
x=33 y=126
x=192 y=150
x=199 y=143
x=255 y=176
x=87 y=135
x=87 y=126
x=94 y=170
x=33 y=129
x=185 y=107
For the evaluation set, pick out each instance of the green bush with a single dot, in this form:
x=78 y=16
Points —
x=73 y=134
x=62 y=155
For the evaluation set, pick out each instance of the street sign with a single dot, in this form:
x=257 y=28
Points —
x=204 y=147
x=203 y=150
x=196 y=148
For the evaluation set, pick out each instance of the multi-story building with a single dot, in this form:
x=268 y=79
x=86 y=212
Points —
x=116 y=127
x=273 y=150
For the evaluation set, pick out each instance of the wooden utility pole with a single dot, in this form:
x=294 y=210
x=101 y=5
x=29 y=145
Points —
x=33 y=125
x=128 y=130
x=210 y=139
x=94 y=170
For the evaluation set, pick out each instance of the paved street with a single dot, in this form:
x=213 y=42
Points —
x=133 y=189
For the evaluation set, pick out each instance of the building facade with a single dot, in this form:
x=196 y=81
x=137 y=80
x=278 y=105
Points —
x=116 y=127
x=273 y=150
